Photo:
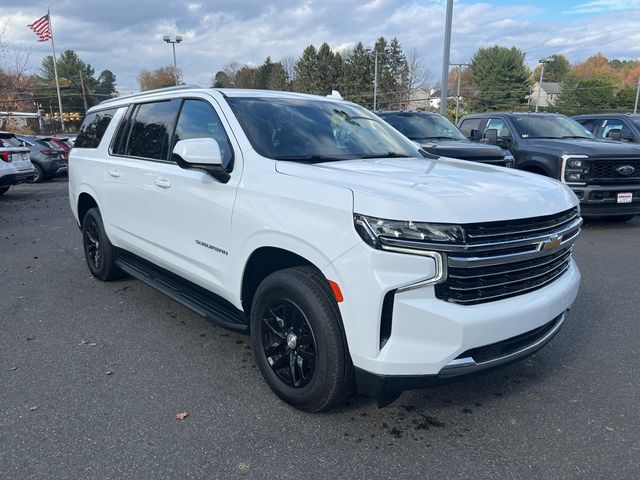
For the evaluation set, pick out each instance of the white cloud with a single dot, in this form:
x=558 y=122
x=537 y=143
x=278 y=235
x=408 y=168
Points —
x=603 y=6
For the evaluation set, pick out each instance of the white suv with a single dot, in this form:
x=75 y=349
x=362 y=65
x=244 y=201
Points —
x=15 y=162
x=352 y=260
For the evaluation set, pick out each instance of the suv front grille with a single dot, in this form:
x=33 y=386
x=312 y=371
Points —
x=504 y=259
x=607 y=171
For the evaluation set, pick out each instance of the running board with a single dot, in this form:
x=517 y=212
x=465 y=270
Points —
x=201 y=301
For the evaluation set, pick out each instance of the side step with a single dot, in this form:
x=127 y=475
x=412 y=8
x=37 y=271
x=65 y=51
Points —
x=201 y=301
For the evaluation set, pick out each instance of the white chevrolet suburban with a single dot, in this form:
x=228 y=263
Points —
x=353 y=261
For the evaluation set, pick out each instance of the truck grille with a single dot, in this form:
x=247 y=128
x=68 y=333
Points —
x=607 y=171
x=504 y=259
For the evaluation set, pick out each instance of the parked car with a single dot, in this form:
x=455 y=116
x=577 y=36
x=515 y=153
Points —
x=612 y=126
x=604 y=175
x=47 y=158
x=62 y=143
x=438 y=136
x=312 y=225
x=15 y=164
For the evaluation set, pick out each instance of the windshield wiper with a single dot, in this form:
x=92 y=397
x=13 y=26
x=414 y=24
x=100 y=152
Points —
x=386 y=155
x=436 y=138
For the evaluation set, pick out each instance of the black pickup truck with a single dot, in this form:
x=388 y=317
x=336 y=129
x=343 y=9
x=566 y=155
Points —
x=437 y=135
x=605 y=175
x=612 y=126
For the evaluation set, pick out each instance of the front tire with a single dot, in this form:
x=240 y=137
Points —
x=298 y=341
x=98 y=251
x=39 y=175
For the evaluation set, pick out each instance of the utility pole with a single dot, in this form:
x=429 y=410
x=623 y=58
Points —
x=635 y=108
x=375 y=82
x=444 y=83
x=459 y=65
x=543 y=61
x=84 y=95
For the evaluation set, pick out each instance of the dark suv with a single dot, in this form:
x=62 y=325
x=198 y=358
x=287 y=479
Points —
x=438 y=136
x=605 y=175
x=612 y=126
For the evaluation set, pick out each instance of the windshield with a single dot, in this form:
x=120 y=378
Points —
x=316 y=130
x=418 y=126
x=9 y=141
x=549 y=126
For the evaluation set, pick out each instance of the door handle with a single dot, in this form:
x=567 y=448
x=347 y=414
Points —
x=114 y=173
x=162 y=183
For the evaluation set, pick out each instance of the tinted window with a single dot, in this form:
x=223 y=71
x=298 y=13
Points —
x=548 y=126
x=500 y=126
x=152 y=125
x=198 y=119
x=587 y=123
x=10 y=142
x=418 y=126
x=93 y=128
x=614 y=124
x=316 y=130
x=471 y=124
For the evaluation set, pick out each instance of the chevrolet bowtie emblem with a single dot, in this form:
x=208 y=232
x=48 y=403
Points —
x=552 y=243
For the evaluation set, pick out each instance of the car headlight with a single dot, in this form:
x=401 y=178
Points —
x=575 y=169
x=379 y=232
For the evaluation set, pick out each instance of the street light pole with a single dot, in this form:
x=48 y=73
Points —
x=635 y=108
x=543 y=61
x=444 y=83
x=375 y=82
x=459 y=65
x=178 y=39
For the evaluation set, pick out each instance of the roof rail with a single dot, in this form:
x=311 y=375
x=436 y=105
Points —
x=151 y=92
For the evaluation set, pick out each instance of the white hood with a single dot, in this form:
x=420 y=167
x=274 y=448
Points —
x=442 y=190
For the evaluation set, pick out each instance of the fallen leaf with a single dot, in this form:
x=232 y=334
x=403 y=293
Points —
x=243 y=467
x=83 y=342
x=34 y=408
x=108 y=372
x=181 y=415
x=611 y=429
x=13 y=369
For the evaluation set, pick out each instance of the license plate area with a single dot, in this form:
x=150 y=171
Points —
x=625 y=197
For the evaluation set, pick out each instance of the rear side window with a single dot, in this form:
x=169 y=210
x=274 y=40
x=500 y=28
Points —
x=10 y=141
x=614 y=124
x=587 y=123
x=151 y=128
x=471 y=124
x=93 y=128
x=198 y=119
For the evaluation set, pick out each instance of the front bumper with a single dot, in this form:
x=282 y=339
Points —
x=16 y=178
x=428 y=335
x=466 y=364
x=597 y=200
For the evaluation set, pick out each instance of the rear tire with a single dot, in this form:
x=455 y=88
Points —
x=98 y=251
x=39 y=175
x=4 y=190
x=298 y=340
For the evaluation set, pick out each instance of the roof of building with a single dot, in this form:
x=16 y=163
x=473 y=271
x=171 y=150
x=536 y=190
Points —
x=553 y=88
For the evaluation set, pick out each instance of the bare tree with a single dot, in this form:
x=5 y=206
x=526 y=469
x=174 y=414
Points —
x=3 y=42
x=289 y=63
x=21 y=61
x=230 y=70
x=420 y=76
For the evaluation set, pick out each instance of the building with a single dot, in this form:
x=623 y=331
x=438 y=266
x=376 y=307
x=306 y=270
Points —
x=549 y=93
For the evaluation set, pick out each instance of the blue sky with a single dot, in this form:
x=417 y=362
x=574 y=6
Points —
x=125 y=36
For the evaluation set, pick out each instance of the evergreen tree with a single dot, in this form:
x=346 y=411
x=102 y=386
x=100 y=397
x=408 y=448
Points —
x=357 y=76
x=306 y=71
x=501 y=76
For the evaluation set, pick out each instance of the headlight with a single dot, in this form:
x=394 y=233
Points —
x=375 y=230
x=575 y=170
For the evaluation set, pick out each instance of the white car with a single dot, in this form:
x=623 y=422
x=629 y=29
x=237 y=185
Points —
x=15 y=162
x=353 y=261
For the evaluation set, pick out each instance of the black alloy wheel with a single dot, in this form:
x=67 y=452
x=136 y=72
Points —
x=288 y=343
x=93 y=248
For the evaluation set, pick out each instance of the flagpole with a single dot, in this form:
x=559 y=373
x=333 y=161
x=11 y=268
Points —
x=55 y=69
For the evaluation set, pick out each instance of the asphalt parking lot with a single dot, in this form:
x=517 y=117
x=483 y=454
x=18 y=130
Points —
x=93 y=374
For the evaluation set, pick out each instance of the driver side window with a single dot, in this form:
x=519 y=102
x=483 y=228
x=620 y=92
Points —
x=500 y=126
x=198 y=119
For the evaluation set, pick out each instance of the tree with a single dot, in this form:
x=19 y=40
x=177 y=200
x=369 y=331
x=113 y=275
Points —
x=328 y=70
x=501 y=76
x=221 y=80
x=158 y=78
x=246 y=77
x=420 y=77
x=597 y=63
x=357 y=77
x=555 y=70
x=106 y=84
x=306 y=71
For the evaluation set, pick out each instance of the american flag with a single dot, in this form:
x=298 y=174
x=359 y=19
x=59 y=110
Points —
x=42 y=28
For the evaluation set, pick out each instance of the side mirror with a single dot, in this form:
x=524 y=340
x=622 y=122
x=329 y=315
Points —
x=476 y=135
x=491 y=136
x=615 y=134
x=201 y=154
